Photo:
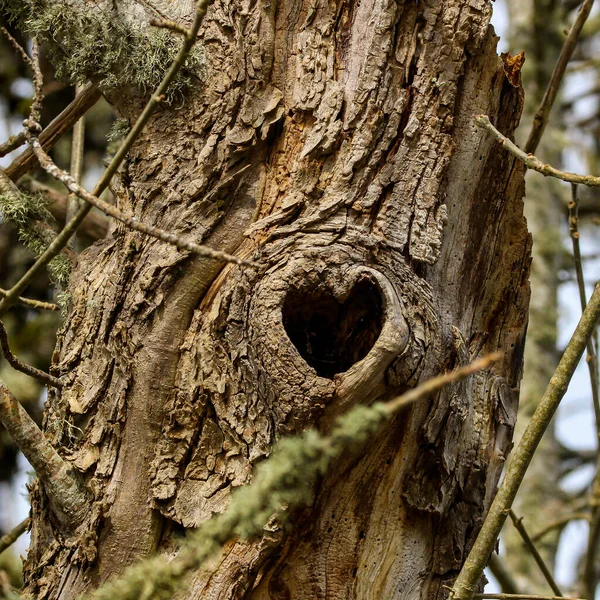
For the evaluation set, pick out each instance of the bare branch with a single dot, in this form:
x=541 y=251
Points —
x=543 y=112
x=468 y=578
x=38 y=84
x=33 y=303
x=171 y=25
x=12 y=143
x=19 y=365
x=435 y=384
x=64 y=488
x=531 y=161
x=7 y=540
x=560 y=523
x=518 y=523
x=57 y=128
x=77 y=152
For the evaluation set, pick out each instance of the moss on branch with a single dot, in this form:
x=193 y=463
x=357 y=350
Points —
x=94 y=42
x=28 y=212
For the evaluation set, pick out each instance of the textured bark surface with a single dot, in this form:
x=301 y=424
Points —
x=333 y=142
x=534 y=28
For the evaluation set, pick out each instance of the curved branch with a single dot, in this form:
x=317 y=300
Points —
x=12 y=536
x=19 y=365
x=531 y=162
x=57 y=128
x=65 y=490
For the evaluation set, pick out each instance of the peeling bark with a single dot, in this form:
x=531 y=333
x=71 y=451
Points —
x=334 y=143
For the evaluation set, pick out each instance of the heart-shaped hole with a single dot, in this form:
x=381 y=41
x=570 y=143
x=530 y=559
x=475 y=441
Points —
x=330 y=335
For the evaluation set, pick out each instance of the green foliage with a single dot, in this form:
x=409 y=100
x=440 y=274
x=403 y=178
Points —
x=23 y=210
x=282 y=482
x=95 y=44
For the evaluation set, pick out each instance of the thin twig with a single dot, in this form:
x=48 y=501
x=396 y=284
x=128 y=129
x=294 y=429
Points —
x=17 y=47
x=12 y=143
x=54 y=132
x=132 y=222
x=38 y=83
x=531 y=161
x=168 y=24
x=518 y=523
x=64 y=236
x=435 y=384
x=8 y=539
x=470 y=574
x=65 y=490
x=76 y=168
x=543 y=112
x=559 y=523
x=19 y=365
x=39 y=304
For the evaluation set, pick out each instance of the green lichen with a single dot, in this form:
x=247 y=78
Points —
x=94 y=43
x=119 y=129
x=28 y=212
x=64 y=301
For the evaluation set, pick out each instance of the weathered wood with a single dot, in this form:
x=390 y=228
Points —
x=394 y=246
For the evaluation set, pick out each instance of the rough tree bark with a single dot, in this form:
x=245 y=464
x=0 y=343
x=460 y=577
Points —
x=535 y=29
x=333 y=142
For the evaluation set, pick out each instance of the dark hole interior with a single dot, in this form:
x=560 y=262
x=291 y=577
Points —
x=332 y=336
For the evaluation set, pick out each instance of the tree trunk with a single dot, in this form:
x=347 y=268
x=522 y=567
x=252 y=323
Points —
x=334 y=143
x=535 y=27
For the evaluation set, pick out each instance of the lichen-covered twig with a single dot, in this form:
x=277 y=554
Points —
x=64 y=236
x=19 y=365
x=531 y=161
x=63 y=123
x=285 y=479
x=30 y=216
x=132 y=222
x=543 y=112
x=38 y=304
x=518 y=523
x=65 y=490
x=470 y=574
x=7 y=540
